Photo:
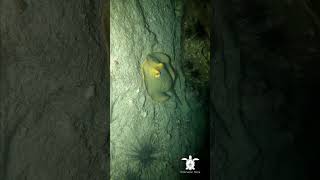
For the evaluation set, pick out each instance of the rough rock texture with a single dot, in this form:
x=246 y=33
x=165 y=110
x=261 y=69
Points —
x=148 y=139
x=53 y=122
x=264 y=90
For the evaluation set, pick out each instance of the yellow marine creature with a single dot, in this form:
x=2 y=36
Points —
x=159 y=77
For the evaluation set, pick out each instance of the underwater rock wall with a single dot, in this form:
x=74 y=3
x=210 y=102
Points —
x=145 y=134
x=53 y=91
x=264 y=89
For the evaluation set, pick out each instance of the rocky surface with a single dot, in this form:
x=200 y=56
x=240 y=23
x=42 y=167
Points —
x=53 y=108
x=148 y=139
x=264 y=90
x=54 y=90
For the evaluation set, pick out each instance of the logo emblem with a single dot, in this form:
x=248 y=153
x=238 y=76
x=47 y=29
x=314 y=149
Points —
x=190 y=164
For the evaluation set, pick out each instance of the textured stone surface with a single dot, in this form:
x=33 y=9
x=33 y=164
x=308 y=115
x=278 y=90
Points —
x=263 y=90
x=139 y=27
x=53 y=122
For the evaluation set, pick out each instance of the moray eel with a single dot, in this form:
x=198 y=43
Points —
x=159 y=77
